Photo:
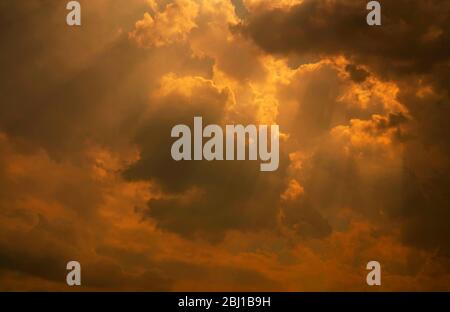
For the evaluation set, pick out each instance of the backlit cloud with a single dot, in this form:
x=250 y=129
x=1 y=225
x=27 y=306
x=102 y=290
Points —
x=85 y=166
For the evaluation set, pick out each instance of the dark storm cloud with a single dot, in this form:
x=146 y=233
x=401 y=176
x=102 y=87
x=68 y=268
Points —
x=206 y=197
x=411 y=48
x=413 y=37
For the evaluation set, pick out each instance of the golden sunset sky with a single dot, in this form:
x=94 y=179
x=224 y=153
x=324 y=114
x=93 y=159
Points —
x=85 y=166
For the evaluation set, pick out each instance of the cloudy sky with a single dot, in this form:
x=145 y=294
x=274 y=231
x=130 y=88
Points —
x=85 y=166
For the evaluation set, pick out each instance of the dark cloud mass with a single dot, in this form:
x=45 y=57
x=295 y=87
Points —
x=413 y=39
x=205 y=197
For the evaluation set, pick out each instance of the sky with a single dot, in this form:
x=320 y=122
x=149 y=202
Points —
x=85 y=167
